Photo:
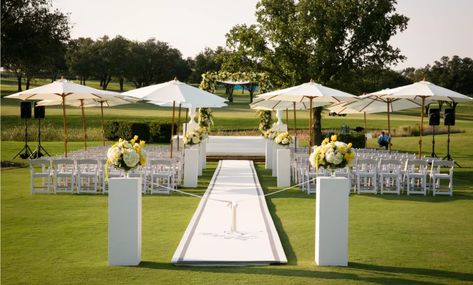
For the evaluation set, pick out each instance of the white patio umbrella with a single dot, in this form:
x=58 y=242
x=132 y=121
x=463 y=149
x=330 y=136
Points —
x=426 y=92
x=313 y=93
x=105 y=100
x=60 y=89
x=175 y=92
x=377 y=102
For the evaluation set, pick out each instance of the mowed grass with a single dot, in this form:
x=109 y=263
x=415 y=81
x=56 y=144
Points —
x=62 y=239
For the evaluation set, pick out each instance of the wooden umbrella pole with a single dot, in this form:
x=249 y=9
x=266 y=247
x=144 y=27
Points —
x=187 y=120
x=83 y=123
x=421 y=127
x=310 y=124
x=178 y=125
x=389 y=126
x=103 y=125
x=172 y=125
x=65 y=122
x=295 y=127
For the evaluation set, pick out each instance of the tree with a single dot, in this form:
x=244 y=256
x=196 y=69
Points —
x=33 y=37
x=295 y=41
x=455 y=73
x=79 y=58
x=206 y=61
x=120 y=52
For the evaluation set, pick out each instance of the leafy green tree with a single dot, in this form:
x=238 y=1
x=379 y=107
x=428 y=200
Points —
x=455 y=73
x=207 y=60
x=33 y=37
x=120 y=54
x=324 y=40
x=79 y=58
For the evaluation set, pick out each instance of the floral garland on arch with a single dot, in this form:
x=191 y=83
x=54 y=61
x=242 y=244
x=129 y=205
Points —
x=205 y=121
x=332 y=154
x=265 y=121
x=209 y=79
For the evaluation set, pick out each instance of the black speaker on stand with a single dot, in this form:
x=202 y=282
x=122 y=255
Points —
x=434 y=120
x=39 y=113
x=25 y=114
x=449 y=120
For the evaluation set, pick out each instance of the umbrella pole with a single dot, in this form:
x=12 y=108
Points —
x=421 y=127
x=64 y=122
x=364 y=115
x=187 y=120
x=295 y=127
x=287 y=117
x=103 y=128
x=310 y=123
x=178 y=125
x=172 y=126
x=83 y=123
x=389 y=126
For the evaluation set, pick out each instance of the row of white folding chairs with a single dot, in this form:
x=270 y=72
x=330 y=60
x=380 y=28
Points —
x=65 y=175
x=389 y=175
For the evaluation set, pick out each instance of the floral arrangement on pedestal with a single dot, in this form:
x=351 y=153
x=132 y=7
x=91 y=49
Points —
x=283 y=138
x=127 y=155
x=271 y=134
x=332 y=154
x=195 y=137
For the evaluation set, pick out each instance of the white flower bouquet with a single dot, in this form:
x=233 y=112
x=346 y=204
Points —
x=127 y=155
x=283 y=138
x=193 y=137
x=332 y=154
x=271 y=134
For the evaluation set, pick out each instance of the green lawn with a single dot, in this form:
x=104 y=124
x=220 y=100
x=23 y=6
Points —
x=62 y=239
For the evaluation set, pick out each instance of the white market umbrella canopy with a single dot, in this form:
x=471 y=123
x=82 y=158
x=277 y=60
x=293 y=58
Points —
x=176 y=92
x=377 y=102
x=310 y=92
x=105 y=100
x=426 y=92
x=60 y=89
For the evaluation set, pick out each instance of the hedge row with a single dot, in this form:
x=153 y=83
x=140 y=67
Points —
x=358 y=140
x=157 y=132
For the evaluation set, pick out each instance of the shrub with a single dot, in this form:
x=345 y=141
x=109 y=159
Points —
x=111 y=130
x=165 y=132
x=358 y=140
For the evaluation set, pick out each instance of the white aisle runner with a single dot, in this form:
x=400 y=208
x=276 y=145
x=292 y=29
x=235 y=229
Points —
x=209 y=239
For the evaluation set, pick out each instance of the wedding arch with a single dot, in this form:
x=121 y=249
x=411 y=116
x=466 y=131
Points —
x=248 y=80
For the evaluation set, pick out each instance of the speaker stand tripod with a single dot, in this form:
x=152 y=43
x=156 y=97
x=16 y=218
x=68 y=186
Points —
x=25 y=152
x=448 y=156
x=433 y=143
x=37 y=152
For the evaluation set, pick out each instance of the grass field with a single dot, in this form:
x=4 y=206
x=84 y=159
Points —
x=62 y=239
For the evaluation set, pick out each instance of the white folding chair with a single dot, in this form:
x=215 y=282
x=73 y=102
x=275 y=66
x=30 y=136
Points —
x=390 y=177
x=87 y=175
x=438 y=173
x=63 y=174
x=40 y=168
x=416 y=176
x=162 y=175
x=366 y=172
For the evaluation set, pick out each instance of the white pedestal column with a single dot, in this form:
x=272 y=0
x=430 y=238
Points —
x=268 y=162
x=274 y=163
x=124 y=221
x=284 y=171
x=331 y=221
x=200 y=160
x=203 y=154
x=191 y=166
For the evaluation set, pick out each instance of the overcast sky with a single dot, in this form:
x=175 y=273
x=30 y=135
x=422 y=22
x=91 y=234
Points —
x=436 y=27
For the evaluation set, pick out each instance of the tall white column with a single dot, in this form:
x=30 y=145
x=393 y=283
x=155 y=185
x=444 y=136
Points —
x=331 y=221
x=191 y=166
x=268 y=154
x=274 y=154
x=284 y=170
x=124 y=221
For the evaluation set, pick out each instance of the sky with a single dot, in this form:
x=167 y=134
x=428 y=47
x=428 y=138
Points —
x=436 y=27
